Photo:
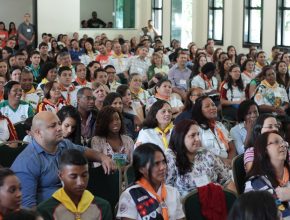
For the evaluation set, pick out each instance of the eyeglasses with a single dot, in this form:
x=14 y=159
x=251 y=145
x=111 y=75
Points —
x=280 y=143
x=273 y=126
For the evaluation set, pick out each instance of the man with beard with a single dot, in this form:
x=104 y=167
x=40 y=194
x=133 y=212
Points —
x=85 y=107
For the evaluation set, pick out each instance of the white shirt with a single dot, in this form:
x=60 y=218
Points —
x=4 y=131
x=199 y=82
x=210 y=140
x=127 y=207
x=151 y=136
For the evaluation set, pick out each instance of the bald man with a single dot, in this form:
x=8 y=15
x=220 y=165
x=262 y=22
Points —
x=37 y=165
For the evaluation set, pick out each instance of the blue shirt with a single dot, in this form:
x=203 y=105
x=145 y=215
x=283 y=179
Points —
x=239 y=134
x=38 y=171
x=75 y=55
x=179 y=78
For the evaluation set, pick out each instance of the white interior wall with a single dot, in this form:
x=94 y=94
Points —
x=55 y=21
x=14 y=10
x=233 y=21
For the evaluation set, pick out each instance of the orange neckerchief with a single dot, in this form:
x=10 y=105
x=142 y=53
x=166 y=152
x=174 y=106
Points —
x=285 y=178
x=207 y=80
x=221 y=136
x=1 y=95
x=68 y=90
x=248 y=74
x=45 y=100
x=81 y=82
x=164 y=133
x=147 y=186
x=162 y=97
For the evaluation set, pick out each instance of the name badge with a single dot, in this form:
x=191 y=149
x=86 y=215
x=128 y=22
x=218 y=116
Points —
x=182 y=82
x=201 y=180
x=28 y=30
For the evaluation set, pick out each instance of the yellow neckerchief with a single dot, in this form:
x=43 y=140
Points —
x=258 y=65
x=265 y=83
x=285 y=178
x=118 y=56
x=161 y=199
x=32 y=90
x=44 y=81
x=164 y=133
x=83 y=205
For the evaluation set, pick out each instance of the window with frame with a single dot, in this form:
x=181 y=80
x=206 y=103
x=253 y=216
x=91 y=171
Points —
x=216 y=21
x=181 y=21
x=283 y=23
x=253 y=17
x=157 y=15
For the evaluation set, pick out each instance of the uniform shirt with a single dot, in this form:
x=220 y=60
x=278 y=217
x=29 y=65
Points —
x=33 y=97
x=209 y=140
x=22 y=112
x=199 y=82
x=150 y=135
x=7 y=130
x=234 y=94
x=127 y=207
x=119 y=62
x=275 y=95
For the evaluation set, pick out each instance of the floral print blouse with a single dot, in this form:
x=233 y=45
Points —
x=123 y=156
x=205 y=164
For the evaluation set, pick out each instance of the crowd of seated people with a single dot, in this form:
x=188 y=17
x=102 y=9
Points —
x=123 y=102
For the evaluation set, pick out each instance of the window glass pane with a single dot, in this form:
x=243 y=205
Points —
x=286 y=3
x=210 y=22
x=256 y=3
x=219 y=3
x=246 y=27
x=255 y=27
x=157 y=3
x=218 y=25
x=210 y=3
x=286 y=28
x=279 y=20
x=181 y=23
x=158 y=21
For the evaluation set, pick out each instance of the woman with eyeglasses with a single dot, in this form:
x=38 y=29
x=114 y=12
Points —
x=247 y=115
x=264 y=123
x=270 y=170
x=213 y=134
